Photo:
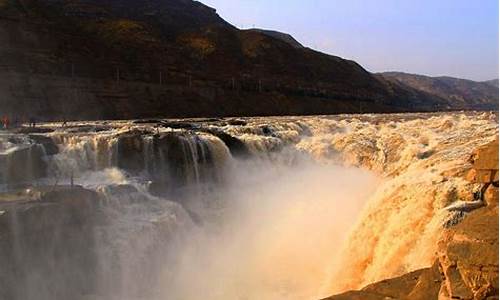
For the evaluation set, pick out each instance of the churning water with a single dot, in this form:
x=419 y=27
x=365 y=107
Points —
x=258 y=208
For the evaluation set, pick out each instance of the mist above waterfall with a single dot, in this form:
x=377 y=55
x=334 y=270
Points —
x=276 y=229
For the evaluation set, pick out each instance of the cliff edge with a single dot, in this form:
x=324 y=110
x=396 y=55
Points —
x=467 y=264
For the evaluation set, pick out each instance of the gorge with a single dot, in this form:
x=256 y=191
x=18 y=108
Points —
x=240 y=208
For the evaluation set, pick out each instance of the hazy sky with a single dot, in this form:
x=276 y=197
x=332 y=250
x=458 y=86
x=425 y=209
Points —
x=434 y=37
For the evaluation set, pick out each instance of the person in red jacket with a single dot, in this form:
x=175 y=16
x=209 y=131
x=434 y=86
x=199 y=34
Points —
x=6 y=122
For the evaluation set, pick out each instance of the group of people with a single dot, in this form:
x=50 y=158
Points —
x=5 y=122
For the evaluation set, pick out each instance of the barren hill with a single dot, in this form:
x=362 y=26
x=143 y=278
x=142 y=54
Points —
x=90 y=59
x=456 y=92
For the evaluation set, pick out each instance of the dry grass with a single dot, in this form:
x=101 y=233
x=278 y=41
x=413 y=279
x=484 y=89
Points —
x=203 y=46
x=121 y=31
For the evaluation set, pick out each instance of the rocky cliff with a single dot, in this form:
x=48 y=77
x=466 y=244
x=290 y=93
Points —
x=88 y=59
x=467 y=264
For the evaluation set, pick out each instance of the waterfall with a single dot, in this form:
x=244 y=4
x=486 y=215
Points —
x=263 y=208
x=79 y=154
x=21 y=161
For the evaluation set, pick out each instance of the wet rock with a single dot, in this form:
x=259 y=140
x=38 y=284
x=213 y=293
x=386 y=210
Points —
x=237 y=122
x=182 y=156
x=158 y=189
x=485 y=172
x=130 y=152
x=421 y=284
x=48 y=144
x=425 y=154
x=207 y=120
x=46 y=241
x=147 y=121
x=484 y=164
x=482 y=176
x=169 y=159
x=120 y=189
x=125 y=193
x=465 y=206
x=236 y=146
x=30 y=130
x=468 y=256
x=486 y=157
x=454 y=218
x=23 y=164
x=87 y=128
x=468 y=252
x=179 y=125
x=266 y=130
x=491 y=195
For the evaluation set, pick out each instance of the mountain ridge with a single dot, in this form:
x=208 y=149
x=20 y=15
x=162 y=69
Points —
x=455 y=91
x=63 y=59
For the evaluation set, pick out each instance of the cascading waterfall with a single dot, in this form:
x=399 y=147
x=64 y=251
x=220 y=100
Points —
x=261 y=208
x=79 y=154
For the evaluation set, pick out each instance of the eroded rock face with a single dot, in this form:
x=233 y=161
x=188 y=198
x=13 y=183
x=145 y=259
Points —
x=130 y=152
x=46 y=242
x=69 y=242
x=468 y=256
x=485 y=164
x=420 y=284
x=467 y=264
x=23 y=158
x=23 y=164
x=235 y=145
x=170 y=160
x=46 y=142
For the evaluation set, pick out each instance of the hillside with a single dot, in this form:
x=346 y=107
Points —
x=85 y=59
x=456 y=92
x=493 y=82
x=285 y=37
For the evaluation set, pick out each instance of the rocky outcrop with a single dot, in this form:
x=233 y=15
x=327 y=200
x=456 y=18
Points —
x=172 y=160
x=46 y=242
x=467 y=265
x=237 y=147
x=468 y=252
x=26 y=158
x=23 y=164
x=420 y=284
x=48 y=144
x=468 y=256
